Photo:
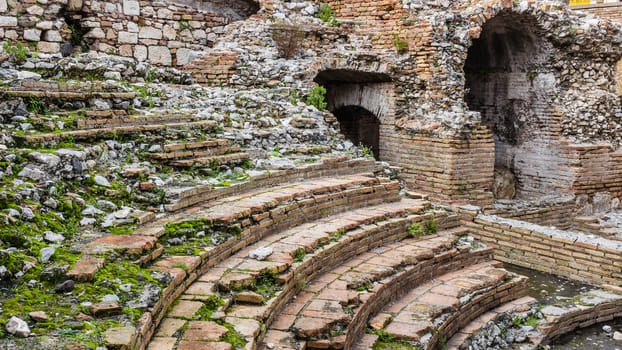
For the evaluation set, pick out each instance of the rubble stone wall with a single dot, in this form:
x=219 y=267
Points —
x=160 y=33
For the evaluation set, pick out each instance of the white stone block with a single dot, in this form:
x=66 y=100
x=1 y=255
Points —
x=128 y=38
x=32 y=35
x=185 y=56
x=8 y=21
x=160 y=55
x=150 y=33
x=52 y=35
x=140 y=53
x=131 y=8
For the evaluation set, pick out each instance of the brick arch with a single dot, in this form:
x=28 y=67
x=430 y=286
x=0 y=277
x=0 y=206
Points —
x=372 y=92
x=510 y=81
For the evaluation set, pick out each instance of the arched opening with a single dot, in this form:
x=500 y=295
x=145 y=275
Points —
x=360 y=101
x=509 y=80
x=360 y=126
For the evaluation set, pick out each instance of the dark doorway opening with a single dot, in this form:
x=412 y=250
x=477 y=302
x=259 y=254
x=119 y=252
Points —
x=360 y=126
x=509 y=80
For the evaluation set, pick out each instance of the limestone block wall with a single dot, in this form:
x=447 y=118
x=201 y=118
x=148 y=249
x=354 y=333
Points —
x=160 y=33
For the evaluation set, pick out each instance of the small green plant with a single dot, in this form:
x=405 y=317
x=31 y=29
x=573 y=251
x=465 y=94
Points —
x=317 y=98
x=37 y=106
x=183 y=24
x=401 y=46
x=299 y=254
x=16 y=50
x=293 y=97
x=415 y=229
x=367 y=151
x=327 y=15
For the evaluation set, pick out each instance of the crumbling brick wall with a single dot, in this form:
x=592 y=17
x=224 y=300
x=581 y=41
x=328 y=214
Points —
x=612 y=11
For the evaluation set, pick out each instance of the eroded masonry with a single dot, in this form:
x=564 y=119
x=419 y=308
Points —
x=186 y=174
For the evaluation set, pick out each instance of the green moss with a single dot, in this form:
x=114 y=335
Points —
x=266 y=285
x=232 y=337
x=213 y=303
x=299 y=254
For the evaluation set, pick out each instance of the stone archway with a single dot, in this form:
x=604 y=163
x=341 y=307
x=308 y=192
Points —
x=363 y=104
x=510 y=81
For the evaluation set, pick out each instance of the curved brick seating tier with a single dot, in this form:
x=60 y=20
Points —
x=256 y=213
x=182 y=197
x=565 y=316
x=333 y=309
x=325 y=243
x=433 y=312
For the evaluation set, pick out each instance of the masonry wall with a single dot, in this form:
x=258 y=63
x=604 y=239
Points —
x=457 y=169
x=571 y=255
x=160 y=33
x=612 y=11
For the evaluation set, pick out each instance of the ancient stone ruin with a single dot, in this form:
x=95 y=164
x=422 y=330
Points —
x=345 y=174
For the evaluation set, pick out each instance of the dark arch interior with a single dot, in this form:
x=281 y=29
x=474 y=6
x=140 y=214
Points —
x=503 y=71
x=360 y=126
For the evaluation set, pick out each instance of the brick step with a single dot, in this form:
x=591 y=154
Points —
x=458 y=341
x=70 y=95
x=259 y=214
x=183 y=197
x=112 y=131
x=134 y=120
x=441 y=307
x=333 y=310
x=231 y=158
x=328 y=237
x=281 y=204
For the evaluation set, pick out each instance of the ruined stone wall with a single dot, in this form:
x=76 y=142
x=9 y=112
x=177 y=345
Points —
x=576 y=256
x=160 y=33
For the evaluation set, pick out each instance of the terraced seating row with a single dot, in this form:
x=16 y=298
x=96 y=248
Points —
x=329 y=241
x=334 y=312
x=183 y=197
x=431 y=313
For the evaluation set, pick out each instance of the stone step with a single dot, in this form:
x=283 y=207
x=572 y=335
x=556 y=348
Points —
x=457 y=342
x=210 y=161
x=441 y=307
x=70 y=95
x=327 y=236
x=332 y=305
x=112 y=131
x=174 y=147
x=291 y=201
x=197 y=149
x=184 y=197
x=134 y=120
